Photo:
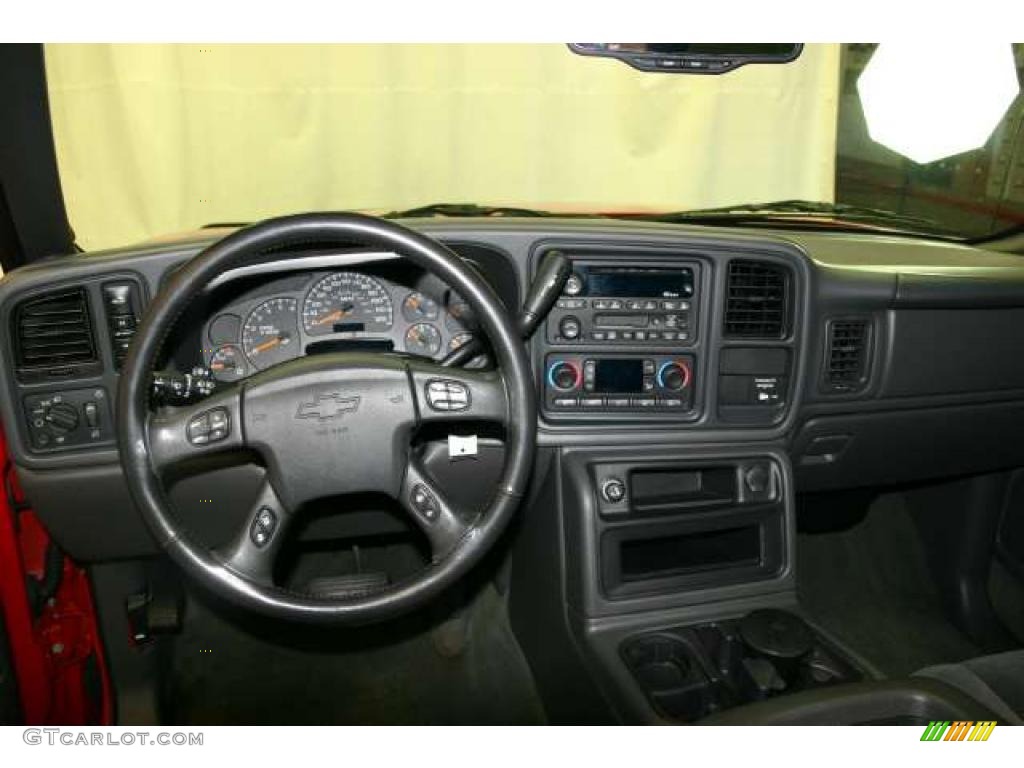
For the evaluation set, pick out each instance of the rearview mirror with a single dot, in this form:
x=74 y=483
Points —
x=692 y=58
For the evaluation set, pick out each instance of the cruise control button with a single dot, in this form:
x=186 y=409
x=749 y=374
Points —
x=263 y=526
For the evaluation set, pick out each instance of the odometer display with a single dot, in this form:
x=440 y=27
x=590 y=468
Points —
x=347 y=301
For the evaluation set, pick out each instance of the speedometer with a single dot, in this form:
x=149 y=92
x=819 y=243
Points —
x=346 y=302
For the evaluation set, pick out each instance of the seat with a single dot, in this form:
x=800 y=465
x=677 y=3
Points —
x=996 y=681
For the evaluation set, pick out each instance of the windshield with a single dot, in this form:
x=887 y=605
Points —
x=157 y=139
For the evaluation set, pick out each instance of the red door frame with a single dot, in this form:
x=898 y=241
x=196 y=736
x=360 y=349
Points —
x=52 y=649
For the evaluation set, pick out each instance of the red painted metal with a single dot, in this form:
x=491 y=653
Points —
x=51 y=651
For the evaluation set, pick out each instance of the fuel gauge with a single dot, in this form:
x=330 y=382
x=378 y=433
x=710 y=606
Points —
x=228 y=363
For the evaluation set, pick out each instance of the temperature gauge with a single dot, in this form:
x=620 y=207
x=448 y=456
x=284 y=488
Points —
x=228 y=363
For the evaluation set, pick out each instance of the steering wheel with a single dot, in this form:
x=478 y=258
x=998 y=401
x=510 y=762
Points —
x=324 y=425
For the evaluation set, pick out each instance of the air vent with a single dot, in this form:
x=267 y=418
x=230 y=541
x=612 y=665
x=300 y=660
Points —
x=847 y=355
x=756 y=300
x=53 y=333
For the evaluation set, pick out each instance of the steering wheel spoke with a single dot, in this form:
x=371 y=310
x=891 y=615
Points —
x=432 y=512
x=452 y=394
x=254 y=550
x=180 y=435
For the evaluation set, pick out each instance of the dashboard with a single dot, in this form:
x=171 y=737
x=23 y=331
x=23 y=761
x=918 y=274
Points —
x=854 y=355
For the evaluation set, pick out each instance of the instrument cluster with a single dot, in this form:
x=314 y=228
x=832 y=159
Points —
x=279 y=321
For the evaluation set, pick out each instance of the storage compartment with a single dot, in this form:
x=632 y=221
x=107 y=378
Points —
x=684 y=553
x=706 y=549
x=657 y=490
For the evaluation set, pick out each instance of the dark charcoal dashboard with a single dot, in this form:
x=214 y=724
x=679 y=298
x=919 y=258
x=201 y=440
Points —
x=691 y=383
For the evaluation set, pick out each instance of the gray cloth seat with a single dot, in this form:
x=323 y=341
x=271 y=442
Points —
x=996 y=681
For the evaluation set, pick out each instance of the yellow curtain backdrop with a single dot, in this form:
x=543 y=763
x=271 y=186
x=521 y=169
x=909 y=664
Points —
x=153 y=139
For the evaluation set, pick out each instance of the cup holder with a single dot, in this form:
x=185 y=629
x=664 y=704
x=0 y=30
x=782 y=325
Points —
x=690 y=672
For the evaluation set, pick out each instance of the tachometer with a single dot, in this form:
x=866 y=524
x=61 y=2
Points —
x=271 y=333
x=347 y=301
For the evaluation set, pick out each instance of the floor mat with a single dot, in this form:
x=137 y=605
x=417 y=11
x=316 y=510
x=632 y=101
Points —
x=870 y=587
x=242 y=671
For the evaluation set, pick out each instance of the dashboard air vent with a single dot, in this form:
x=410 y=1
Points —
x=847 y=355
x=756 y=300
x=54 y=332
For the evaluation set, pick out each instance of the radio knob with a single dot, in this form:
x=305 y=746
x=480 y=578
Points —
x=674 y=375
x=573 y=285
x=569 y=327
x=564 y=376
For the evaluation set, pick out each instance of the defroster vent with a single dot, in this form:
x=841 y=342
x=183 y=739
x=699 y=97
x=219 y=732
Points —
x=756 y=300
x=53 y=333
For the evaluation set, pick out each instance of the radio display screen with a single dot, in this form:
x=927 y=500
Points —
x=641 y=282
x=618 y=376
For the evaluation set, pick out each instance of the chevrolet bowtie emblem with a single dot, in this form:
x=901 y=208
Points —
x=329 y=406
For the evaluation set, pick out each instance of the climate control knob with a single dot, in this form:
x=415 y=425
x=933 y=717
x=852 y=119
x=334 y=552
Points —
x=674 y=375
x=564 y=376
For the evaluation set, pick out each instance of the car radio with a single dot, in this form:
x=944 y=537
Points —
x=619 y=383
x=652 y=304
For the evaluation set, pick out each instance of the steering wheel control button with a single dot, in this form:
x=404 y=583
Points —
x=209 y=426
x=263 y=526
x=447 y=395
x=424 y=502
x=199 y=429
x=220 y=424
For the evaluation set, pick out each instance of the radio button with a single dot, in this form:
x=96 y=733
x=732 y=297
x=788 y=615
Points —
x=668 y=335
x=670 y=402
x=644 y=402
x=597 y=335
x=564 y=402
x=574 y=285
x=671 y=305
x=613 y=335
x=591 y=402
x=648 y=366
x=617 y=402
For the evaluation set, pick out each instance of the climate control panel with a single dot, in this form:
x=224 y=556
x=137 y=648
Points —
x=619 y=383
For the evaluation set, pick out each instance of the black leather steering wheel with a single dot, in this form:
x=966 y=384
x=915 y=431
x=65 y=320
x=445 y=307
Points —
x=327 y=424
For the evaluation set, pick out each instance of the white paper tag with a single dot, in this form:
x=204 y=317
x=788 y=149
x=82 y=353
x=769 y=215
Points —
x=459 y=445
